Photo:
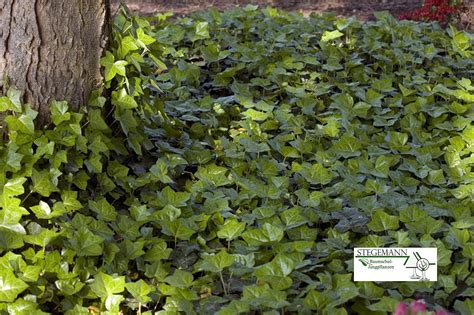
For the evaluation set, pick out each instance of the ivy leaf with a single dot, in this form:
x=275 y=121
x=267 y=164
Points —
x=112 y=302
x=330 y=35
x=317 y=174
x=41 y=238
x=143 y=38
x=104 y=209
x=256 y=115
x=160 y=172
x=231 y=229
x=42 y=183
x=168 y=196
x=316 y=300
x=106 y=285
x=122 y=100
x=347 y=146
x=213 y=175
x=12 y=101
x=14 y=159
x=14 y=187
x=201 y=31
x=281 y=266
x=180 y=279
x=382 y=221
x=179 y=228
x=217 y=262
x=293 y=218
x=127 y=44
x=234 y=307
x=267 y=234
x=386 y=304
x=21 y=306
x=10 y=286
x=139 y=290
x=85 y=243
x=70 y=201
x=263 y=295
x=59 y=112
x=370 y=291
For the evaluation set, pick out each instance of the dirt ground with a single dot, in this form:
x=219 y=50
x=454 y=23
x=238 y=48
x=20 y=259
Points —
x=361 y=8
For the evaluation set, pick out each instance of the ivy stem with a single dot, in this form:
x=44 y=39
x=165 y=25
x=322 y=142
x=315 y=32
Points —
x=26 y=197
x=223 y=283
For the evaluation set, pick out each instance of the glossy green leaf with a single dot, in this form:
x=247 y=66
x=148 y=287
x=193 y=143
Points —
x=267 y=234
x=105 y=285
x=10 y=286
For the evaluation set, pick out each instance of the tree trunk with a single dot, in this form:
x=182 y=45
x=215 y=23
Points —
x=51 y=49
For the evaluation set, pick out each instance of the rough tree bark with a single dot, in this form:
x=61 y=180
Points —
x=51 y=49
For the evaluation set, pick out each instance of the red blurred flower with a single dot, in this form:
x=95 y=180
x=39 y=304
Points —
x=434 y=10
x=417 y=306
x=402 y=309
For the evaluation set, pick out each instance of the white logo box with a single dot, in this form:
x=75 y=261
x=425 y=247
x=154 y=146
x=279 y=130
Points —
x=395 y=264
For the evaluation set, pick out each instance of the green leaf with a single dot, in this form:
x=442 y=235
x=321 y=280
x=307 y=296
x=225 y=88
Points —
x=316 y=300
x=112 y=303
x=317 y=174
x=105 y=285
x=382 y=165
x=201 y=31
x=41 y=238
x=267 y=234
x=293 y=218
x=217 y=262
x=122 y=100
x=213 y=175
x=14 y=160
x=21 y=306
x=14 y=187
x=412 y=214
x=347 y=146
x=281 y=266
x=382 y=221
x=59 y=112
x=24 y=123
x=263 y=295
x=179 y=228
x=180 y=279
x=386 y=304
x=369 y=290
x=10 y=286
x=256 y=115
x=231 y=229
x=139 y=290
x=42 y=183
x=104 y=209
x=127 y=44
x=234 y=307
x=85 y=243
x=143 y=38
x=160 y=172
x=436 y=177
x=12 y=101
x=70 y=201
x=330 y=35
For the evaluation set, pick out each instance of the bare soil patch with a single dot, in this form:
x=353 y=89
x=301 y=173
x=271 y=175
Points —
x=362 y=9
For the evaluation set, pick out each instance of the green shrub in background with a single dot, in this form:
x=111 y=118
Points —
x=239 y=159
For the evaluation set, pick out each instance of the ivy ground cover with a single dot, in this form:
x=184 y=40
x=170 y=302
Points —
x=236 y=161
